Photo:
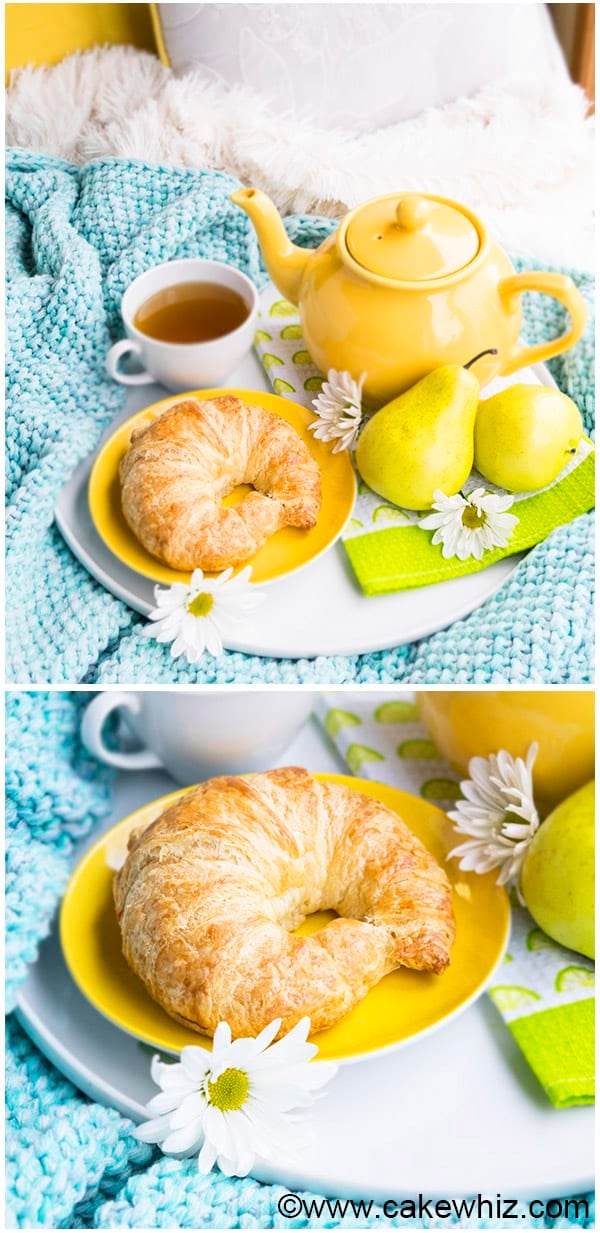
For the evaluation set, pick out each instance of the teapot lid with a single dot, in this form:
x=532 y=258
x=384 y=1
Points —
x=411 y=237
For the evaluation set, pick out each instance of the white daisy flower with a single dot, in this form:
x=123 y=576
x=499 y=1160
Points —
x=234 y=1104
x=338 y=407
x=191 y=617
x=498 y=814
x=469 y=526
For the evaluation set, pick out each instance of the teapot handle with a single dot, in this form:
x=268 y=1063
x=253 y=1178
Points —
x=561 y=288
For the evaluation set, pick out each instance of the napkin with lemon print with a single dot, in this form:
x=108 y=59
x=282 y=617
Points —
x=387 y=548
x=544 y=992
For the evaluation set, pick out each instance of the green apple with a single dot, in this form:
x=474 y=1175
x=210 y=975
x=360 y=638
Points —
x=557 y=880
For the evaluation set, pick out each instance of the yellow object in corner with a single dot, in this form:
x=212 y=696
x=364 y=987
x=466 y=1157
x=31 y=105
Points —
x=161 y=46
x=466 y=723
x=46 y=33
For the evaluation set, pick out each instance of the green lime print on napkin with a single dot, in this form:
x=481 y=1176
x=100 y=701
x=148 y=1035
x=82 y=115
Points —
x=441 y=790
x=508 y=958
x=538 y=940
x=262 y=336
x=388 y=513
x=302 y=357
x=283 y=308
x=354 y=524
x=314 y=383
x=396 y=712
x=356 y=755
x=363 y=489
x=417 y=749
x=574 y=977
x=269 y=360
x=283 y=387
x=337 y=719
x=291 y=331
x=513 y=997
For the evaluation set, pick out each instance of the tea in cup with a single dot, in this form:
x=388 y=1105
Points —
x=189 y=322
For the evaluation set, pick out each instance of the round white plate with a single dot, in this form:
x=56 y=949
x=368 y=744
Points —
x=320 y=611
x=459 y=1113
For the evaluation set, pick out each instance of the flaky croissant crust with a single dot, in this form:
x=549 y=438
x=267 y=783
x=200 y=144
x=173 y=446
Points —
x=210 y=891
x=178 y=469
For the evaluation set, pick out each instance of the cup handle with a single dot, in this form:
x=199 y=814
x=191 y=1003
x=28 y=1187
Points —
x=561 y=288
x=127 y=346
x=93 y=721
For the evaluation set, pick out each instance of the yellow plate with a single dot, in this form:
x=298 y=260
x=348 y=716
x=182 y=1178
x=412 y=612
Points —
x=403 y=1006
x=290 y=549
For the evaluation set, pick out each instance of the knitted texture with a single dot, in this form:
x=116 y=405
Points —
x=76 y=238
x=72 y=1163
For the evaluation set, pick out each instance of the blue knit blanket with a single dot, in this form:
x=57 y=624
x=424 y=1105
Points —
x=72 y=1163
x=76 y=239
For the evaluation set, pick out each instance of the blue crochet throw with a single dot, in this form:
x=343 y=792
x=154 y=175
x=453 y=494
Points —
x=72 y=1163
x=76 y=239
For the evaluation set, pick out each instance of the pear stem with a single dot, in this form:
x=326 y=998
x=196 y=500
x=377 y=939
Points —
x=490 y=351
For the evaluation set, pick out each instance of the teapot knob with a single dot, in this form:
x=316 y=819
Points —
x=412 y=212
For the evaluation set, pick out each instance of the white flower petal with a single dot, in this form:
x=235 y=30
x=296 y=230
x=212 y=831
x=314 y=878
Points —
x=339 y=410
x=216 y=584
x=212 y=638
x=216 y=1129
x=187 y=1139
x=221 y=1038
x=167 y=598
x=166 y=1102
x=268 y=1034
x=207 y=1157
x=498 y=794
x=191 y=1108
x=195 y=1061
x=153 y=1131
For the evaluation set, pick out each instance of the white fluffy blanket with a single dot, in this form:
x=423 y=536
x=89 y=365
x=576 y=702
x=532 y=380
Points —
x=519 y=153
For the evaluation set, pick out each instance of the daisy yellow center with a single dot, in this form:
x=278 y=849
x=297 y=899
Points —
x=201 y=604
x=229 y=1091
x=473 y=518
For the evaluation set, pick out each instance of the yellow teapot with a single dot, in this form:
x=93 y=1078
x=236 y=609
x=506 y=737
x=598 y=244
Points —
x=408 y=282
x=466 y=723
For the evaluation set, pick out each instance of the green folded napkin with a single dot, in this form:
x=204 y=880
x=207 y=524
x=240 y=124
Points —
x=544 y=992
x=386 y=547
x=545 y=995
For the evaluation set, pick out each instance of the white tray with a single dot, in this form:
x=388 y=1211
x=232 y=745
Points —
x=318 y=611
x=457 y=1113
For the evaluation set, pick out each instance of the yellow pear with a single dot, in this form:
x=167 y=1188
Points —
x=422 y=440
x=557 y=880
x=525 y=435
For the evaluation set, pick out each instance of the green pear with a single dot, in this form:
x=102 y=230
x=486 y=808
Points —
x=423 y=439
x=525 y=435
x=557 y=880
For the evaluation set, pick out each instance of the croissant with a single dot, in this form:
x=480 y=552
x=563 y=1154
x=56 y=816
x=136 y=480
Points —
x=178 y=468
x=210 y=891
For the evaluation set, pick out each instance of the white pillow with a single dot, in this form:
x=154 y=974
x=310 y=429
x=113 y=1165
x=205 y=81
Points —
x=360 y=66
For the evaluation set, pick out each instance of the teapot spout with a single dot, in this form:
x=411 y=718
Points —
x=285 y=262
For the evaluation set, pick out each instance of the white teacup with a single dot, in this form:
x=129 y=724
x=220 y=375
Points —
x=183 y=366
x=194 y=735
